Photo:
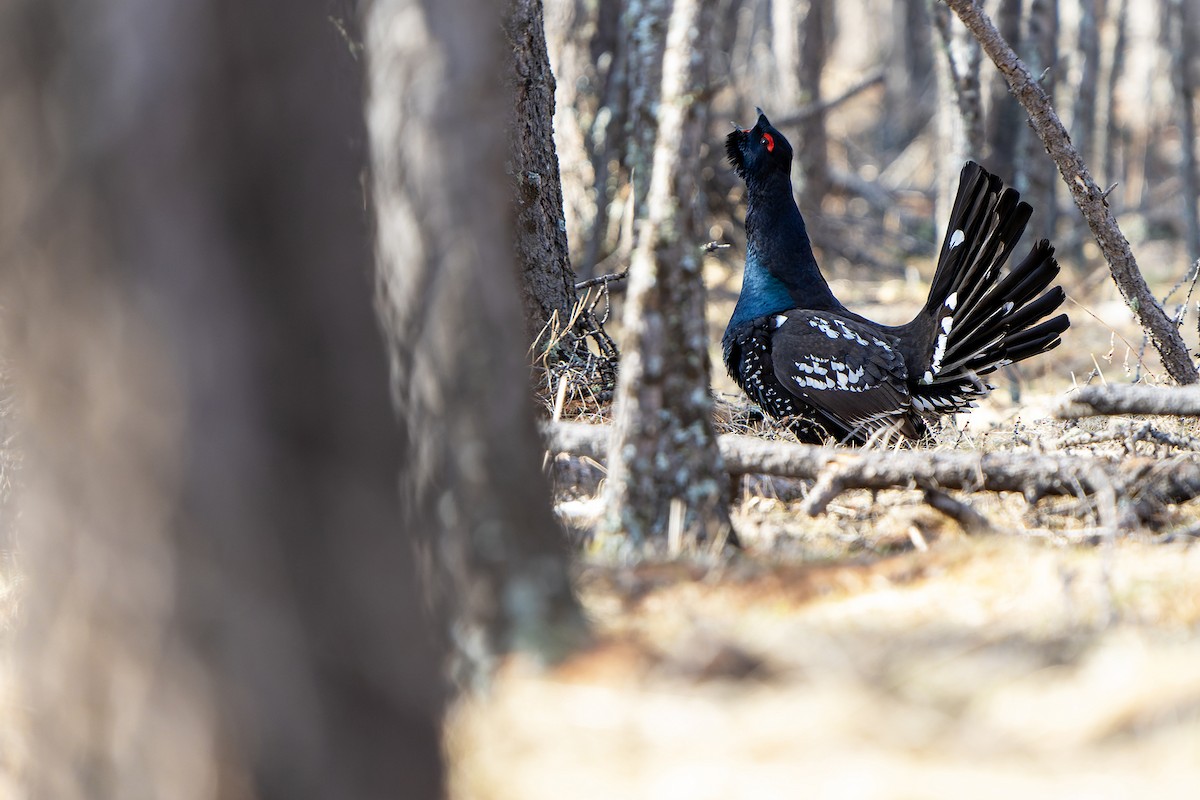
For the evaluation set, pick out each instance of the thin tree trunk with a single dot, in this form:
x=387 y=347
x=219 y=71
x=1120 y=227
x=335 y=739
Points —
x=1113 y=131
x=221 y=601
x=1087 y=195
x=785 y=52
x=473 y=490
x=645 y=23
x=1184 y=26
x=814 y=155
x=548 y=282
x=1039 y=184
x=909 y=74
x=1006 y=123
x=960 y=119
x=664 y=463
x=1084 y=123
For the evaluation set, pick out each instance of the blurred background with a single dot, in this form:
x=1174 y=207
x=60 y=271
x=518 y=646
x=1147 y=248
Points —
x=883 y=100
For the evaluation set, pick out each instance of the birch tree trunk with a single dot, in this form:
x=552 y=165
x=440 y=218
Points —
x=221 y=601
x=472 y=491
x=959 y=112
x=664 y=463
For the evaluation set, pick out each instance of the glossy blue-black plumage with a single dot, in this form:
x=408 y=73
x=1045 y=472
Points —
x=802 y=356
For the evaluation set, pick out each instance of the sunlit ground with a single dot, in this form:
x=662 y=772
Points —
x=878 y=651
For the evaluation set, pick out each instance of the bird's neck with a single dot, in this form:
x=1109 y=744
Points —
x=778 y=250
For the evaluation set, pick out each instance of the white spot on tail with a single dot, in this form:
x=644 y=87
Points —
x=947 y=323
x=952 y=301
x=957 y=238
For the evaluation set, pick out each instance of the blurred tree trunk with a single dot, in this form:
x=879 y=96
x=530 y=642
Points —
x=814 y=154
x=472 y=492
x=1112 y=143
x=1006 y=126
x=960 y=113
x=665 y=474
x=785 y=50
x=221 y=601
x=910 y=77
x=548 y=282
x=1183 y=26
x=645 y=24
x=1040 y=181
x=1084 y=123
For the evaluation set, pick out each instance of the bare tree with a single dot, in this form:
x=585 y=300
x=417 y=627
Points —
x=1113 y=131
x=1182 y=20
x=1041 y=46
x=960 y=113
x=548 y=282
x=910 y=73
x=814 y=155
x=472 y=491
x=664 y=460
x=221 y=601
x=1089 y=197
x=1083 y=128
x=1005 y=126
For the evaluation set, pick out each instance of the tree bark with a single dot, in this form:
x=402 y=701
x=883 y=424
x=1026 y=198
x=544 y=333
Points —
x=472 y=491
x=1087 y=195
x=959 y=111
x=1183 y=27
x=548 y=282
x=1131 y=399
x=814 y=155
x=646 y=27
x=1005 y=123
x=1084 y=124
x=1113 y=130
x=1039 y=183
x=1035 y=475
x=663 y=445
x=221 y=601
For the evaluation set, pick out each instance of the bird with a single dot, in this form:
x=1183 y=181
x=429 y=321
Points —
x=833 y=375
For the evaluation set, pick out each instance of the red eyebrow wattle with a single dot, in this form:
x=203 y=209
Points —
x=770 y=142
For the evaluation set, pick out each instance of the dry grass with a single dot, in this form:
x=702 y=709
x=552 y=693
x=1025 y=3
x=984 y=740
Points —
x=878 y=651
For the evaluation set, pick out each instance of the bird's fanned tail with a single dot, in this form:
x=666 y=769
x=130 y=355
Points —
x=980 y=314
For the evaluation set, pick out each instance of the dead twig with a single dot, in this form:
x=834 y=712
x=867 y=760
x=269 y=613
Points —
x=602 y=279
x=965 y=515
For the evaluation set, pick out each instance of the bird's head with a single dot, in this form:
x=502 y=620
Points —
x=759 y=151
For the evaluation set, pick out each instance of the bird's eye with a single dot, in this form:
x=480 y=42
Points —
x=769 y=141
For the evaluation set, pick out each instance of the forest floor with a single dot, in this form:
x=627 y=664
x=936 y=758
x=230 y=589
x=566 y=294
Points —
x=879 y=650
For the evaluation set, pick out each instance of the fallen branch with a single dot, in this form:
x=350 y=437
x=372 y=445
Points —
x=1114 y=398
x=1144 y=483
x=968 y=518
x=1087 y=195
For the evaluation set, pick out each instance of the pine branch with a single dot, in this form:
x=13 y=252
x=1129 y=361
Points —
x=1087 y=195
